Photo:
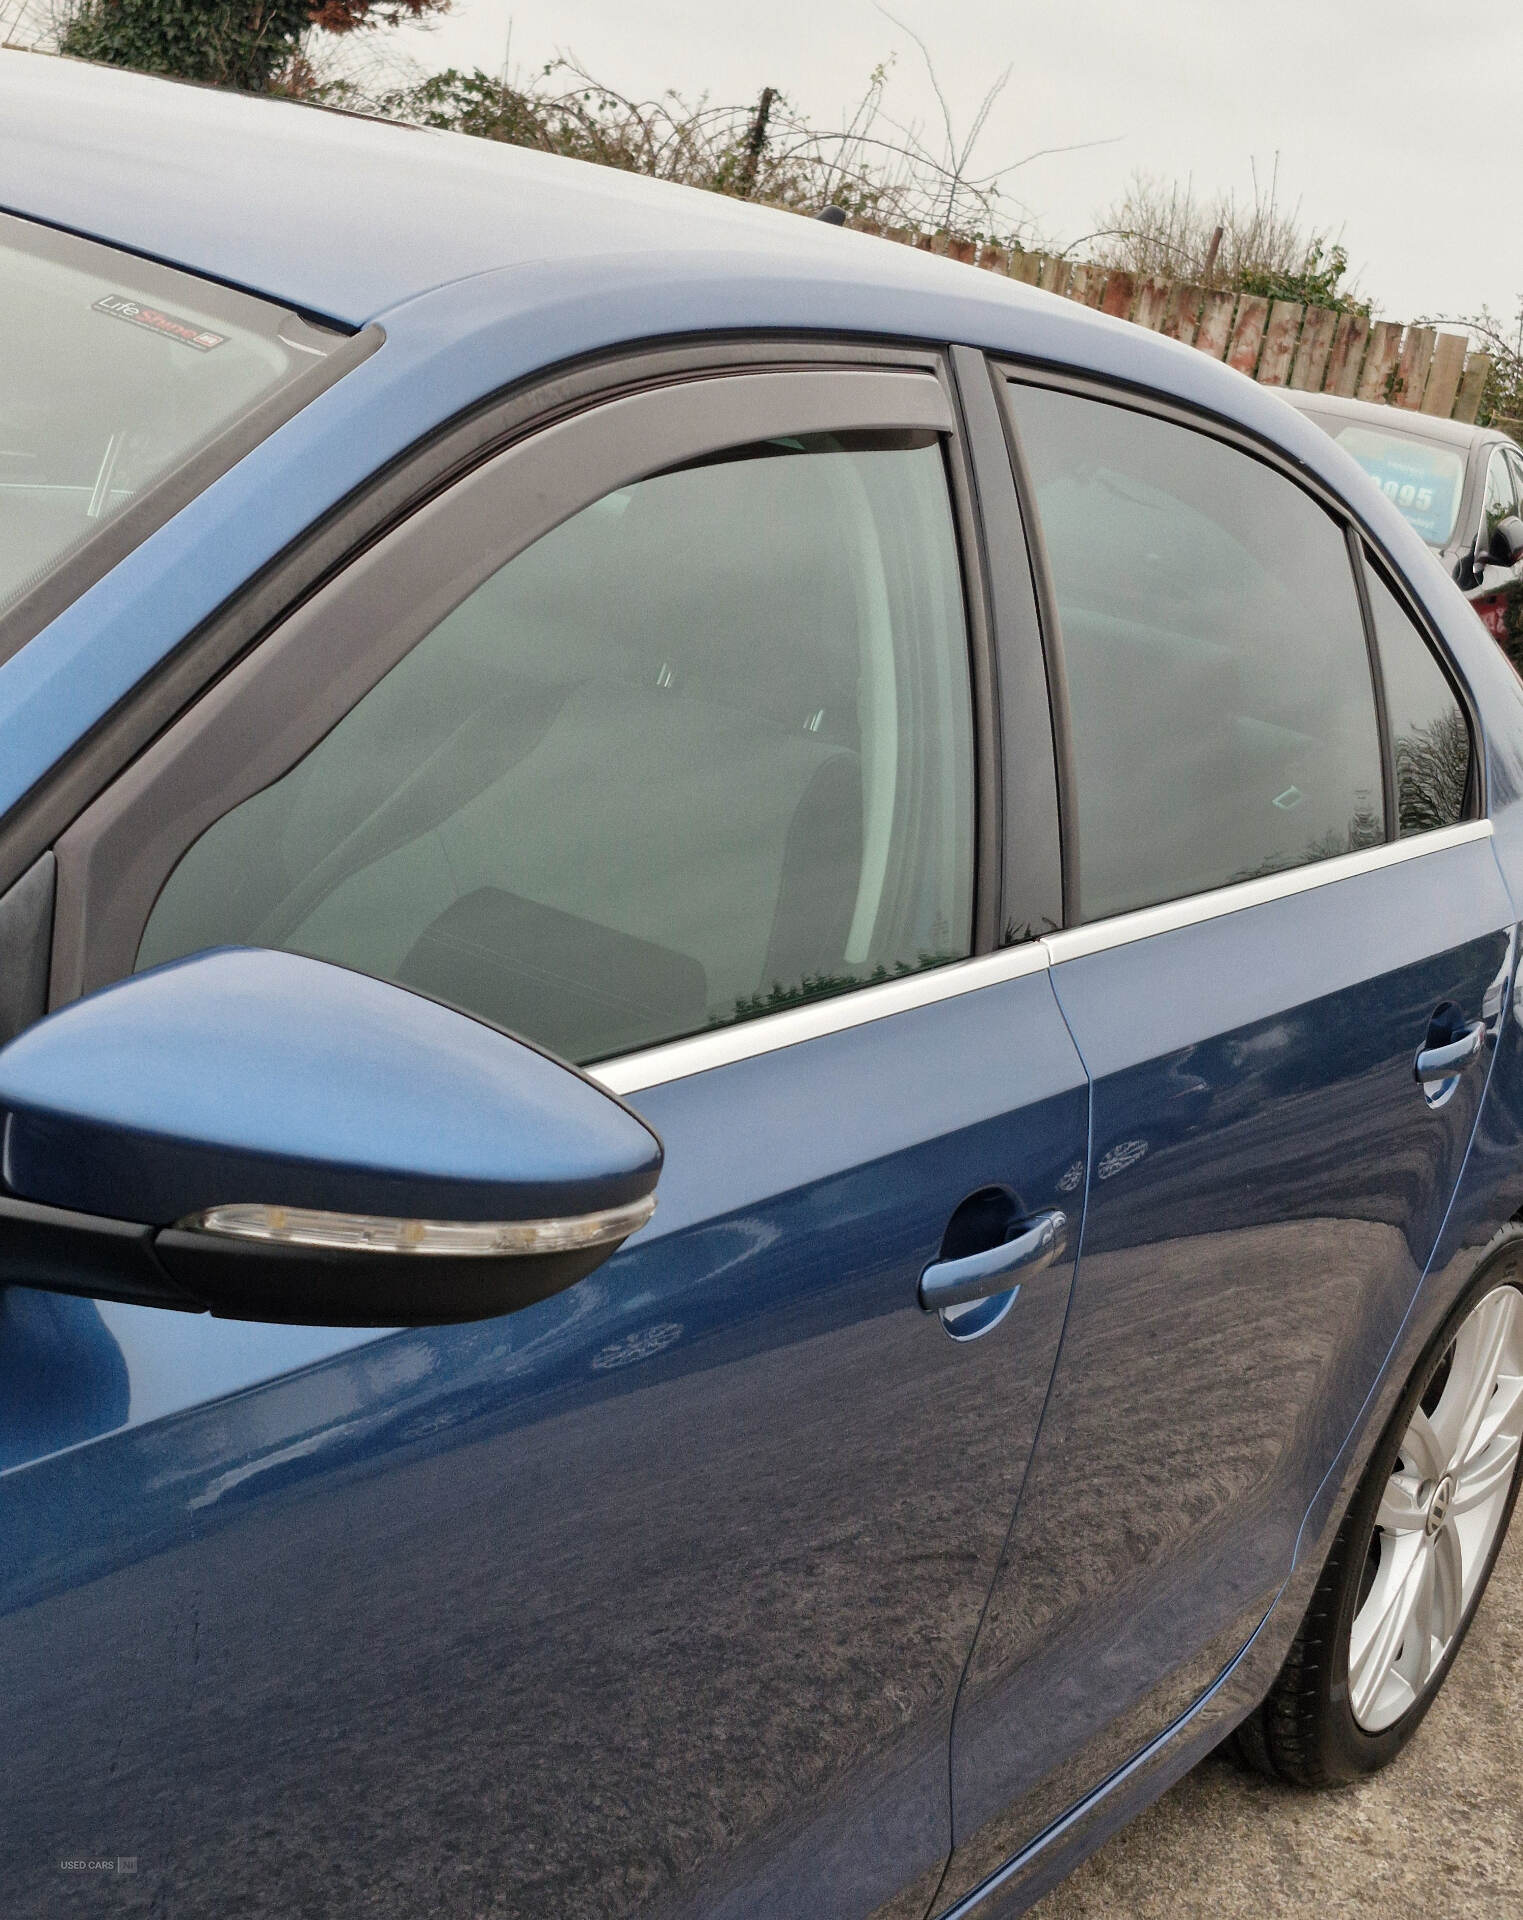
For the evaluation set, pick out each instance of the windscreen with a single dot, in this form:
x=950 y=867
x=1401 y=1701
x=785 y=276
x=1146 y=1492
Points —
x=1423 y=480
x=116 y=374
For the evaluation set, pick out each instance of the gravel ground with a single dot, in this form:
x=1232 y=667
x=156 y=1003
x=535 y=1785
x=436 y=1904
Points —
x=1438 y=1836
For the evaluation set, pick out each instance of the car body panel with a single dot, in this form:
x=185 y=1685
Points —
x=680 y=1568
x=1239 y=1238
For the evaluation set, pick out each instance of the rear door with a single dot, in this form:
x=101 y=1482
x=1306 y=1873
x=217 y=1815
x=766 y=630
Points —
x=1282 y=892
x=664 y=739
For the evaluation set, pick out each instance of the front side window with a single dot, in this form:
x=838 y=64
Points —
x=1221 y=700
x=115 y=373
x=1430 y=738
x=702 y=752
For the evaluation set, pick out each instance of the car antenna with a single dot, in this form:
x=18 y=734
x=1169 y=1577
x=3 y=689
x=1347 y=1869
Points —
x=832 y=216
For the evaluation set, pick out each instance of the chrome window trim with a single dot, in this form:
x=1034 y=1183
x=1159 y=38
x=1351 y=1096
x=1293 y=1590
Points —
x=1073 y=942
x=680 y=1059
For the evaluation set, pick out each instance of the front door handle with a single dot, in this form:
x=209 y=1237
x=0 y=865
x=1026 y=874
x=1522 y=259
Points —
x=950 y=1283
x=1443 y=1063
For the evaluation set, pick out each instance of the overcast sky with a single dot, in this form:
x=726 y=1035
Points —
x=1392 y=119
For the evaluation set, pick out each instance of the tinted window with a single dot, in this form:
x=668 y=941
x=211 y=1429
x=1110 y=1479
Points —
x=701 y=752
x=1429 y=735
x=1222 y=708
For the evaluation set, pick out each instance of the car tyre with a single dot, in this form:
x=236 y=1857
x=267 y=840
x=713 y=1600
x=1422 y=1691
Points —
x=1414 y=1552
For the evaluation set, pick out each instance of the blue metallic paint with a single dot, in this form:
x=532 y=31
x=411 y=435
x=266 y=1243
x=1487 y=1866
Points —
x=250 y=1075
x=680 y=1567
x=1239 y=1237
x=293 y=1556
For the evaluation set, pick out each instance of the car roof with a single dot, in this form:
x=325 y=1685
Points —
x=1419 y=426
x=340 y=215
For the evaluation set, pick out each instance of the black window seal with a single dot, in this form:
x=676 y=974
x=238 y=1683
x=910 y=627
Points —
x=979 y=570
x=1377 y=683
x=386 y=497
x=1045 y=885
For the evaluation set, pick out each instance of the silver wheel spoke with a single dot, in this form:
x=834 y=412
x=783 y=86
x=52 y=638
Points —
x=1384 y=1619
x=1418 y=1650
x=1488 y=1476
x=1440 y=1512
x=1504 y=1416
x=1448 y=1597
x=1401 y=1511
x=1479 y=1353
x=1423 y=1449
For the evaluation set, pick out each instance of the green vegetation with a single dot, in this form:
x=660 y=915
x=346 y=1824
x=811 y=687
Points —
x=1502 y=400
x=1222 y=244
x=257 y=46
x=878 y=173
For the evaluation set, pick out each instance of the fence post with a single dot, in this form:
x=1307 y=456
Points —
x=1379 y=361
x=1307 y=374
x=1248 y=334
x=1120 y=292
x=1152 y=300
x=1279 y=342
x=1215 y=328
x=1182 y=315
x=1472 y=388
x=1412 y=368
x=1444 y=375
x=1349 y=337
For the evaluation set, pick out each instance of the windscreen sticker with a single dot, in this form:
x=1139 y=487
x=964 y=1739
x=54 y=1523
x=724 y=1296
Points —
x=122 y=307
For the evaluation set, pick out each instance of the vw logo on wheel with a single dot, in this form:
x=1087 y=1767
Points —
x=1438 y=1506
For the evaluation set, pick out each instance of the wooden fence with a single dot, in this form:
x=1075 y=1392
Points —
x=1278 y=342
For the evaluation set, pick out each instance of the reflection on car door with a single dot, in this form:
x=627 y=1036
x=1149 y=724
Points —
x=1268 y=1175
x=655 y=1596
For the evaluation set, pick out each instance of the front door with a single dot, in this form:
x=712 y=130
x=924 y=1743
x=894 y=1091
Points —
x=655 y=1596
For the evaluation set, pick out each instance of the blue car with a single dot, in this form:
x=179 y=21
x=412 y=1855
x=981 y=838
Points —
x=762 y=1081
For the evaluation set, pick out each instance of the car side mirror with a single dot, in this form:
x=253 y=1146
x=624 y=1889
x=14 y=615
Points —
x=270 y=1137
x=1506 y=548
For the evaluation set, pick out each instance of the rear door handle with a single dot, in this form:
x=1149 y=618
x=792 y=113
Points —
x=1443 y=1063
x=950 y=1283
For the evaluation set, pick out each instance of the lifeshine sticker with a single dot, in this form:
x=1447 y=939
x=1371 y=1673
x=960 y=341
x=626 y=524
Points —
x=170 y=326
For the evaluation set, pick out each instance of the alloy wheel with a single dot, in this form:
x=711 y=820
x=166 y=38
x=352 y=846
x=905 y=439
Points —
x=1440 y=1514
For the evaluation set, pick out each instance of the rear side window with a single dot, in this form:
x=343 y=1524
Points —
x=702 y=752
x=1430 y=739
x=1222 y=705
